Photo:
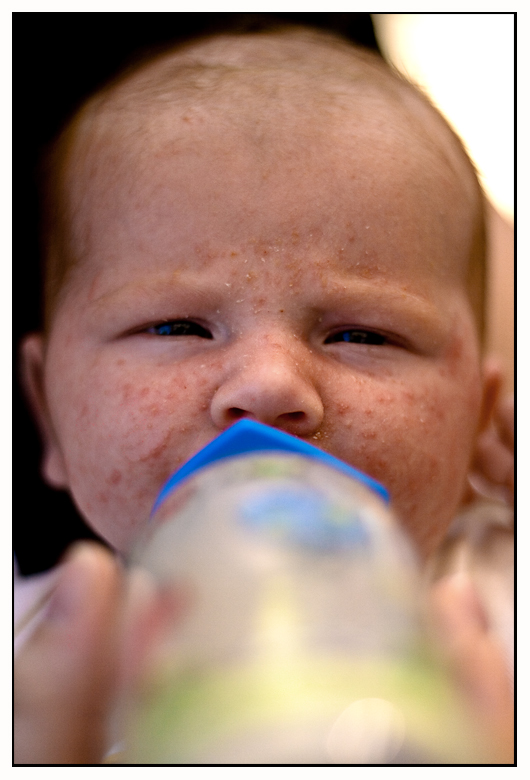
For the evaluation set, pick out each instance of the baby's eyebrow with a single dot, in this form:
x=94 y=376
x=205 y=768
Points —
x=376 y=291
x=372 y=291
x=159 y=285
x=380 y=302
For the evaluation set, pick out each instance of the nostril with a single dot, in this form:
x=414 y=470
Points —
x=236 y=414
x=293 y=416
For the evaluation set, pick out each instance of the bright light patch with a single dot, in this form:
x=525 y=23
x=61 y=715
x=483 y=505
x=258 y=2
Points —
x=369 y=731
x=465 y=62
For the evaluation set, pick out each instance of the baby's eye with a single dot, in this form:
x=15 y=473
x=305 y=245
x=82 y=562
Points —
x=180 y=328
x=355 y=336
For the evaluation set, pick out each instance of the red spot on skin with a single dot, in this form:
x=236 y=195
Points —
x=115 y=477
x=157 y=451
x=368 y=434
x=457 y=348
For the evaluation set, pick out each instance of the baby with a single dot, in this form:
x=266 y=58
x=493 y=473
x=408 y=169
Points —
x=271 y=226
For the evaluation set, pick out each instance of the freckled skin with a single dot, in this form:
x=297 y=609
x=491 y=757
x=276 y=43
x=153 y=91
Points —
x=301 y=265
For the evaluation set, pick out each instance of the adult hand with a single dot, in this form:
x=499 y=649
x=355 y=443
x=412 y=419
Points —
x=66 y=672
x=476 y=661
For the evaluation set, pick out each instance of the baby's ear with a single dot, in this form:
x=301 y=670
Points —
x=492 y=382
x=493 y=468
x=32 y=375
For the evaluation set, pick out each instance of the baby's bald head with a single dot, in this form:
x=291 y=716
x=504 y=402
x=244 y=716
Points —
x=278 y=98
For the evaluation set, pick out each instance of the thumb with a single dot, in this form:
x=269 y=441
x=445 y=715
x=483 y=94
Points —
x=65 y=674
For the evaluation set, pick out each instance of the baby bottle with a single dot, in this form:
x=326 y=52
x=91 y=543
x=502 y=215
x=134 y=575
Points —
x=296 y=639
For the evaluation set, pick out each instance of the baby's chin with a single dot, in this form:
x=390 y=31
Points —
x=116 y=528
x=427 y=532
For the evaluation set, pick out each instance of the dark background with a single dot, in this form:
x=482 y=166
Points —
x=58 y=60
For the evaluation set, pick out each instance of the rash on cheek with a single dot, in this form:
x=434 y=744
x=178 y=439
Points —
x=124 y=440
x=155 y=420
x=115 y=477
x=432 y=480
x=413 y=436
x=148 y=419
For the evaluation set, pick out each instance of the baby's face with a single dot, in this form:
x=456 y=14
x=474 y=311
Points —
x=313 y=283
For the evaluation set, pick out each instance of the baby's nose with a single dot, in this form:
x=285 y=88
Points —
x=271 y=386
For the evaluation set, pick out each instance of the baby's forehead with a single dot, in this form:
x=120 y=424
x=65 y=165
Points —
x=242 y=79
x=273 y=92
x=279 y=103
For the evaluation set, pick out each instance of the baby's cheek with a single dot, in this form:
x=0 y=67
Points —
x=398 y=426
x=130 y=439
x=438 y=434
x=415 y=438
x=147 y=415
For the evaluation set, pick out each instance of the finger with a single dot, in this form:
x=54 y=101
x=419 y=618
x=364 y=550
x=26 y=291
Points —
x=151 y=613
x=65 y=675
x=476 y=660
